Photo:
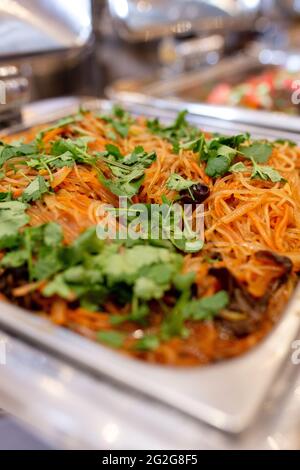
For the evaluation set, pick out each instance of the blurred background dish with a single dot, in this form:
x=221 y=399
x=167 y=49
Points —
x=80 y=48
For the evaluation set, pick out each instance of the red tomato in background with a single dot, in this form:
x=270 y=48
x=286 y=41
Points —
x=220 y=94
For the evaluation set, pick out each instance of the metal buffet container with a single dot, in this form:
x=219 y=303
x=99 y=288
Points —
x=78 y=393
x=190 y=89
x=136 y=21
x=50 y=42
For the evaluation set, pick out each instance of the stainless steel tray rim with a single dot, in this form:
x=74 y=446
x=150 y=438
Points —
x=215 y=394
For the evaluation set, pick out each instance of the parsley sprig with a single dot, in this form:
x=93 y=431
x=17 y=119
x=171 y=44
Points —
x=92 y=271
x=127 y=171
x=180 y=133
x=118 y=122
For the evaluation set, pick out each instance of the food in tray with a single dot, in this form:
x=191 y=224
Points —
x=75 y=249
x=271 y=90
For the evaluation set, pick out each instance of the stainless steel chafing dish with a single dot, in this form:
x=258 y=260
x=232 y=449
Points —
x=152 y=19
x=74 y=386
x=47 y=40
x=186 y=88
x=14 y=93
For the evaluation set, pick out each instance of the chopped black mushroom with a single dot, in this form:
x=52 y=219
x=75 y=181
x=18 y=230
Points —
x=196 y=194
x=13 y=278
x=241 y=301
x=273 y=258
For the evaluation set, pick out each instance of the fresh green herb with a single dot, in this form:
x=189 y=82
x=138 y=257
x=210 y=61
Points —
x=35 y=189
x=53 y=234
x=207 y=307
x=196 y=145
x=76 y=147
x=128 y=171
x=8 y=151
x=64 y=153
x=92 y=271
x=291 y=143
x=184 y=282
x=238 y=167
x=219 y=161
x=234 y=141
x=180 y=133
x=219 y=153
x=66 y=121
x=178 y=183
x=14 y=259
x=12 y=218
x=174 y=322
x=40 y=243
x=115 y=339
x=6 y=196
x=260 y=152
x=266 y=173
x=119 y=121
x=147 y=343
x=138 y=314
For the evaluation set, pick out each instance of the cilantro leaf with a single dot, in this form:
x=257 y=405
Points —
x=8 y=151
x=53 y=234
x=206 y=307
x=173 y=324
x=219 y=158
x=126 y=268
x=12 y=218
x=179 y=133
x=290 y=143
x=238 y=167
x=76 y=147
x=58 y=286
x=6 y=196
x=217 y=166
x=266 y=173
x=48 y=263
x=14 y=259
x=178 y=183
x=147 y=343
x=119 y=121
x=115 y=339
x=183 y=282
x=113 y=150
x=65 y=159
x=35 y=189
x=66 y=121
x=128 y=171
x=258 y=151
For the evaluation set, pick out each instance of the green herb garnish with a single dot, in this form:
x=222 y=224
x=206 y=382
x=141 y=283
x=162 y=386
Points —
x=178 y=183
x=127 y=171
x=114 y=339
x=12 y=218
x=35 y=189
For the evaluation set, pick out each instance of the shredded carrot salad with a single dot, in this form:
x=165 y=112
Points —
x=241 y=277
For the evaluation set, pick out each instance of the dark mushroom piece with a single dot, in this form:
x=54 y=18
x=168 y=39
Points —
x=273 y=258
x=251 y=309
x=196 y=194
x=243 y=302
x=12 y=278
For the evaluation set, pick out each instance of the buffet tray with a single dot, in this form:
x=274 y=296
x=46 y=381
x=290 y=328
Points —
x=227 y=395
x=186 y=88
